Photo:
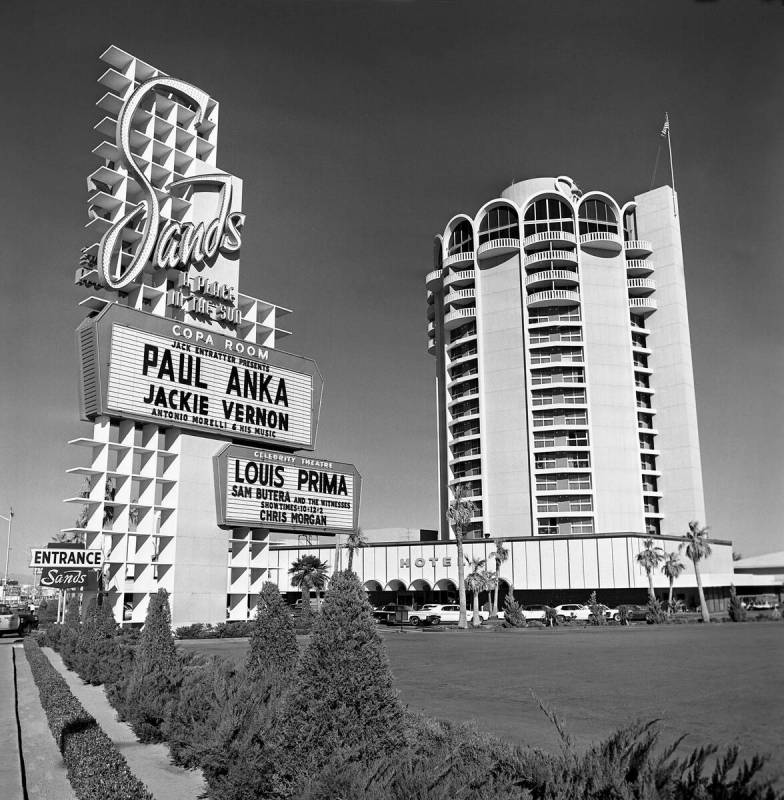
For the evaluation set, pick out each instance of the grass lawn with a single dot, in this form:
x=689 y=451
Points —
x=720 y=683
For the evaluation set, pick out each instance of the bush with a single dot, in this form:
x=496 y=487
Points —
x=550 y=617
x=656 y=615
x=155 y=673
x=69 y=631
x=273 y=650
x=736 y=610
x=47 y=613
x=597 y=611
x=189 y=631
x=342 y=696
x=222 y=723
x=96 y=769
x=513 y=614
x=95 y=642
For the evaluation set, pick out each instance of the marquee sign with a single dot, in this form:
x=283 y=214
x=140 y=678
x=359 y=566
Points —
x=155 y=369
x=67 y=566
x=168 y=244
x=264 y=489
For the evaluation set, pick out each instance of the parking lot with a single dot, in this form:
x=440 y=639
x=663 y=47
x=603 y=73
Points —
x=718 y=683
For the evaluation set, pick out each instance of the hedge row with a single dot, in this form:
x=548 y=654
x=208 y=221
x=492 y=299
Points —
x=96 y=769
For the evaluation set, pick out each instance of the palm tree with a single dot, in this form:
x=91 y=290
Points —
x=460 y=512
x=309 y=572
x=672 y=568
x=354 y=541
x=697 y=548
x=649 y=558
x=478 y=580
x=500 y=555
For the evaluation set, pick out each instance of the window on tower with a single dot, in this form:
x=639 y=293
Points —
x=499 y=223
x=548 y=214
x=596 y=216
x=462 y=238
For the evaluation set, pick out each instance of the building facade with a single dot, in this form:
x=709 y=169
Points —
x=559 y=326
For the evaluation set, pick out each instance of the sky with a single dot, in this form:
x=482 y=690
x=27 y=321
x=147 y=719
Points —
x=359 y=129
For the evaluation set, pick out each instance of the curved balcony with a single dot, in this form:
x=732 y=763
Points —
x=466 y=337
x=459 y=297
x=458 y=317
x=637 y=248
x=468 y=456
x=463 y=396
x=543 y=240
x=498 y=247
x=433 y=280
x=558 y=277
x=602 y=240
x=466 y=376
x=639 y=287
x=465 y=416
x=431 y=328
x=465 y=357
x=431 y=345
x=552 y=297
x=558 y=258
x=460 y=278
x=463 y=436
x=636 y=267
x=458 y=259
x=643 y=306
x=431 y=311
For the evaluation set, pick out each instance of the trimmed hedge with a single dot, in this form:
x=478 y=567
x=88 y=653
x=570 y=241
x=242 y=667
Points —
x=96 y=769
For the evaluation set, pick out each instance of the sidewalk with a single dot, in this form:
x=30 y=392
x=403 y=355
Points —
x=150 y=763
x=10 y=770
x=47 y=778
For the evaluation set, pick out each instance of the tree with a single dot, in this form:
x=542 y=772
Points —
x=477 y=581
x=272 y=652
x=736 y=608
x=342 y=700
x=698 y=548
x=672 y=569
x=460 y=513
x=155 y=674
x=354 y=541
x=309 y=572
x=649 y=558
x=500 y=555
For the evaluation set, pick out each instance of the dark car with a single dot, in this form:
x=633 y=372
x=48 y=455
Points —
x=392 y=614
x=17 y=621
x=633 y=612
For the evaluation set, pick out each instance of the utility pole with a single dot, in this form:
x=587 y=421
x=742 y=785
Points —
x=7 y=549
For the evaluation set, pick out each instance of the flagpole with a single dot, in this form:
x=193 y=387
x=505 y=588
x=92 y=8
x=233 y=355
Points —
x=672 y=168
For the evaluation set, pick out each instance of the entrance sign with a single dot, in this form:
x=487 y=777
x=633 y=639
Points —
x=60 y=578
x=66 y=557
x=173 y=245
x=154 y=369
x=260 y=488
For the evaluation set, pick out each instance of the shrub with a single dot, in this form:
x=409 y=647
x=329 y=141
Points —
x=189 y=631
x=513 y=614
x=272 y=654
x=656 y=615
x=597 y=611
x=47 y=613
x=69 y=633
x=550 y=617
x=94 y=643
x=96 y=770
x=155 y=673
x=342 y=696
x=623 y=615
x=736 y=610
x=221 y=723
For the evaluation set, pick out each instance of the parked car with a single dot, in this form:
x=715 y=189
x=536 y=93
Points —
x=436 y=614
x=613 y=614
x=16 y=621
x=573 y=611
x=535 y=612
x=634 y=612
x=761 y=605
x=393 y=614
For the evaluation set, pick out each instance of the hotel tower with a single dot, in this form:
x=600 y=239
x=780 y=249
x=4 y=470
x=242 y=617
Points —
x=560 y=330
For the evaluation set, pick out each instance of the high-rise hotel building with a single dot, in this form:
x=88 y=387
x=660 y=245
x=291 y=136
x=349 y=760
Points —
x=560 y=330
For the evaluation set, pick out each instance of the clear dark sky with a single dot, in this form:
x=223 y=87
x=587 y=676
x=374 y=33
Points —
x=359 y=129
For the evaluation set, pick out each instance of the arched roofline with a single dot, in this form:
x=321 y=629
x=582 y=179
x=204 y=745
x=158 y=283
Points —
x=444 y=585
x=495 y=203
x=438 y=241
x=546 y=195
x=390 y=588
x=631 y=204
x=453 y=223
x=376 y=587
x=424 y=587
x=602 y=196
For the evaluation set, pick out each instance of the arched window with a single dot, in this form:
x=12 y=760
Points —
x=548 y=214
x=630 y=225
x=462 y=239
x=596 y=216
x=499 y=223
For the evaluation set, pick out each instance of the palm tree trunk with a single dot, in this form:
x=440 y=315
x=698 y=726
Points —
x=476 y=620
x=462 y=621
x=669 y=599
x=651 y=593
x=703 y=604
x=350 y=558
x=494 y=613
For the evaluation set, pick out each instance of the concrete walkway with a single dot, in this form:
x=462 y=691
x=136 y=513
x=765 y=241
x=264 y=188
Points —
x=10 y=769
x=150 y=763
x=47 y=777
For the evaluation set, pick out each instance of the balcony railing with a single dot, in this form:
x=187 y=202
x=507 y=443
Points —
x=459 y=258
x=552 y=276
x=557 y=257
x=641 y=286
x=552 y=297
x=602 y=240
x=498 y=247
x=459 y=297
x=639 y=266
x=637 y=247
x=459 y=317
x=538 y=240
x=433 y=280
x=642 y=305
x=459 y=278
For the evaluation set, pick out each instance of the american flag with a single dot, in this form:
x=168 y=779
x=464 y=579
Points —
x=665 y=131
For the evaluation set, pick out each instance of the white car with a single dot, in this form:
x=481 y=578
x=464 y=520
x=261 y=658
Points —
x=434 y=614
x=538 y=612
x=574 y=611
